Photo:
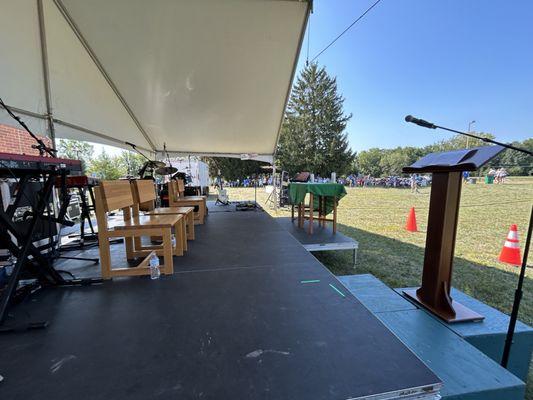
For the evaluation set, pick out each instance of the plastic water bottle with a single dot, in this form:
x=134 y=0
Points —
x=10 y=265
x=155 y=273
x=173 y=240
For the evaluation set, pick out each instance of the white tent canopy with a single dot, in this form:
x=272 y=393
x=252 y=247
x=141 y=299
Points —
x=208 y=77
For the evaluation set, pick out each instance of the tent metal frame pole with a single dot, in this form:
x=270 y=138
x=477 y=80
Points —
x=72 y=126
x=27 y=113
x=185 y=153
x=46 y=73
x=94 y=133
x=274 y=190
x=293 y=73
x=62 y=9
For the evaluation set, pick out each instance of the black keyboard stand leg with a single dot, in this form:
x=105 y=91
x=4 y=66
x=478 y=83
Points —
x=9 y=291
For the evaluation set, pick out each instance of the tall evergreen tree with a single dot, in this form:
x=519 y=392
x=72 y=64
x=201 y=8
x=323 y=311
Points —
x=313 y=135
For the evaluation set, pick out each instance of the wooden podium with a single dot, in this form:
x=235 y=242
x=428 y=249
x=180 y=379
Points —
x=447 y=168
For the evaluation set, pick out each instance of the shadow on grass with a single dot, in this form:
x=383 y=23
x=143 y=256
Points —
x=399 y=264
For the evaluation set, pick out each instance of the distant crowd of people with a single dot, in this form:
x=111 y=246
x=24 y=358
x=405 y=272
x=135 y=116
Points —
x=319 y=179
x=413 y=181
x=495 y=176
x=350 y=180
x=499 y=174
x=393 y=181
x=259 y=181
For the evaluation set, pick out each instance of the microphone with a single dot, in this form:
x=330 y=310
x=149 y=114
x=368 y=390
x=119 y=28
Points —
x=420 y=122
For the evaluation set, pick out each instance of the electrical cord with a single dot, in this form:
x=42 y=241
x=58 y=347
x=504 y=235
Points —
x=346 y=30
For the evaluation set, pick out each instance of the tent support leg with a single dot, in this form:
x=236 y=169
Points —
x=275 y=190
x=46 y=73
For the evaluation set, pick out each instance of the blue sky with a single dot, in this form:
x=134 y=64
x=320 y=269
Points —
x=449 y=62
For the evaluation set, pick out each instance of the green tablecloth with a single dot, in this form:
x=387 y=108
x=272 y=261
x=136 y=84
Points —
x=298 y=191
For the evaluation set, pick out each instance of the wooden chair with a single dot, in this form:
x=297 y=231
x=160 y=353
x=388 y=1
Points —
x=176 y=198
x=144 y=195
x=116 y=195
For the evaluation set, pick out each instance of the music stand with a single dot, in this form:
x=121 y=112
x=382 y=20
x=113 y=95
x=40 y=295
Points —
x=447 y=168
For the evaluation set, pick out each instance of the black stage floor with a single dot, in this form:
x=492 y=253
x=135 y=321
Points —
x=236 y=321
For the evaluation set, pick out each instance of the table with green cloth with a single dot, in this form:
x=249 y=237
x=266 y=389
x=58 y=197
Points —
x=323 y=197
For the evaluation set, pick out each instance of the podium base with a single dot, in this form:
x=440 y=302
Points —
x=462 y=313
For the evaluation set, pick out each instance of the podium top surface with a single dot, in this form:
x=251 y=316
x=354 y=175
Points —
x=455 y=160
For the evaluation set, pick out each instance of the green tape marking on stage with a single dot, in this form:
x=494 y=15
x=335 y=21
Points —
x=337 y=290
x=311 y=281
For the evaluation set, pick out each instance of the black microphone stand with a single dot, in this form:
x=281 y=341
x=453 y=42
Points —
x=430 y=125
x=134 y=147
x=40 y=146
x=168 y=156
x=517 y=297
x=518 y=291
x=148 y=164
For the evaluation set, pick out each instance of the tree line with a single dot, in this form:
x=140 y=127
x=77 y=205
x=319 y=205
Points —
x=378 y=162
x=389 y=162
x=104 y=165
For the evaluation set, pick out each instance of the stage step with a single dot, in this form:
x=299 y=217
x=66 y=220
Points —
x=489 y=335
x=466 y=372
x=374 y=294
x=322 y=239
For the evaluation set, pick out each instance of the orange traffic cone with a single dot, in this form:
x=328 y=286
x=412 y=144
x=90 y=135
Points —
x=411 y=221
x=510 y=253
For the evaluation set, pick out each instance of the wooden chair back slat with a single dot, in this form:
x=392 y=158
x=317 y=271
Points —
x=116 y=195
x=143 y=190
x=181 y=187
x=172 y=191
x=176 y=190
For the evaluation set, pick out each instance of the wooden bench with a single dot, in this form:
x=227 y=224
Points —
x=144 y=195
x=176 y=198
x=117 y=195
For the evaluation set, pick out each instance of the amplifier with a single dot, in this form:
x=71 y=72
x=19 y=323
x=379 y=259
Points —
x=74 y=207
x=28 y=201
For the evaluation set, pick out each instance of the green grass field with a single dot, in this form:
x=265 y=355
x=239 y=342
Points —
x=376 y=217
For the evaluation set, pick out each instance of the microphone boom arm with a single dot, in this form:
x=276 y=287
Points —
x=41 y=146
x=134 y=147
x=430 y=125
